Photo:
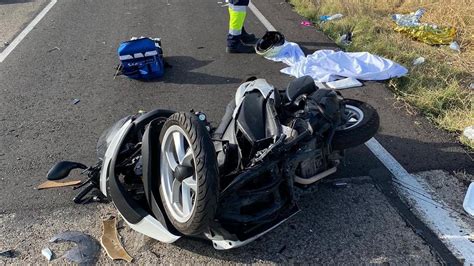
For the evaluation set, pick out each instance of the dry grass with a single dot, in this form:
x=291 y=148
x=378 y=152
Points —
x=436 y=88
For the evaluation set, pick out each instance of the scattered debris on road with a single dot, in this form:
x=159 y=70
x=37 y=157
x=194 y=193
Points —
x=340 y=184
x=55 y=184
x=282 y=249
x=10 y=253
x=75 y=101
x=55 y=48
x=110 y=241
x=86 y=249
x=47 y=253
x=344 y=84
x=6 y=43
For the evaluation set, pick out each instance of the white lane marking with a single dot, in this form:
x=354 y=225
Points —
x=262 y=18
x=25 y=31
x=440 y=220
x=447 y=226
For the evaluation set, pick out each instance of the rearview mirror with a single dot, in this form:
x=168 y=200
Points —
x=62 y=169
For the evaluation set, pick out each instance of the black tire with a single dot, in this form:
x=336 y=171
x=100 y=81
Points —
x=361 y=132
x=205 y=167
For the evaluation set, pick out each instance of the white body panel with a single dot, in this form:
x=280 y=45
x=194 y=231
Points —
x=108 y=156
x=149 y=226
x=261 y=85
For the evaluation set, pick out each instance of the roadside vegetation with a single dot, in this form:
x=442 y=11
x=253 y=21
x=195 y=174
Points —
x=437 y=88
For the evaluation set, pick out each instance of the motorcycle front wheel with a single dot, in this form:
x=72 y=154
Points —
x=188 y=172
x=362 y=123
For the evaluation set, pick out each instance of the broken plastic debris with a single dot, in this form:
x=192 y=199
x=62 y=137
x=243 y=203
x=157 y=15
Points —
x=111 y=243
x=468 y=203
x=409 y=20
x=6 y=43
x=344 y=84
x=55 y=184
x=469 y=133
x=346 y=39
x=325 y=18
x=10 y=253
x=54 y=49
x=420 y=60
x=306 y=23
x=471 y=86
x=47 y=253
x=455 y=46
x=75 y=101
x=86 y=249
x=340 y=184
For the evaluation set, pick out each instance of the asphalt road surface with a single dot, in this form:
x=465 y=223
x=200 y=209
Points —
x=40 y=125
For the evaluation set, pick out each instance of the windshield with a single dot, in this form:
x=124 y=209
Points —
x=107 y=137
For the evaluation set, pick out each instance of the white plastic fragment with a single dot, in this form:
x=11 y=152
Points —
x=47 y=253
x=455 y=46
x=469 y=133
x=471 y=86
x=335 y=16
x=409 y=20
x=420 y=60
x=344 y=84
x=468 y=203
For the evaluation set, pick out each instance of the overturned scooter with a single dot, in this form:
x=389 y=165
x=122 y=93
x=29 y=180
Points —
x=170 y=174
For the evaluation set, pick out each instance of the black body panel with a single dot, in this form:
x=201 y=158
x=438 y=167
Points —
x=131 y=210
x=299 y=86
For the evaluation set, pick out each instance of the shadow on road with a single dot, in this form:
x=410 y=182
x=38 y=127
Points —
x=336 y=225
x=417 y=156
x=181 y=72
x=311 y=47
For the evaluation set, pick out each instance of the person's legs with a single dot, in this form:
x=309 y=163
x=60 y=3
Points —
x=237 y=14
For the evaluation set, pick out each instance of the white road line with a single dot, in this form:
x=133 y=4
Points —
x=446 y=225
x=261 y=17
x=25 y=31
x=451 y=230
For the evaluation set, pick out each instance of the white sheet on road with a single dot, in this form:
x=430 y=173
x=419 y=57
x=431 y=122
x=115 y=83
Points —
x=329 y=65
x=290 y=54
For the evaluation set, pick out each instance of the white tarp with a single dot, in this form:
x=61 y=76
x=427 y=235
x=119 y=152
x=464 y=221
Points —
x=329 y=65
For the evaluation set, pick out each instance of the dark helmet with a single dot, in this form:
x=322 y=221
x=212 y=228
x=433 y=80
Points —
x=270 y=44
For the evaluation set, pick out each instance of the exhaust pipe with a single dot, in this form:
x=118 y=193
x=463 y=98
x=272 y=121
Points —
x=311 y=180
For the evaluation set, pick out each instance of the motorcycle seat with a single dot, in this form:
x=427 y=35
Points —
x=298 y=87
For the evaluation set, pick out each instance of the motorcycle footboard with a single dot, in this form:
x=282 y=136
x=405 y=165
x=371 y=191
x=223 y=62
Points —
x=244 y=234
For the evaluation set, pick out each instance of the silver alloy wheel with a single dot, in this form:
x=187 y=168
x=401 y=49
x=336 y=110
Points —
x=354 y=117
x=180 y=196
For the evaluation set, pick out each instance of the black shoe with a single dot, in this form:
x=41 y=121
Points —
x=248 y=38
x=240 y=48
